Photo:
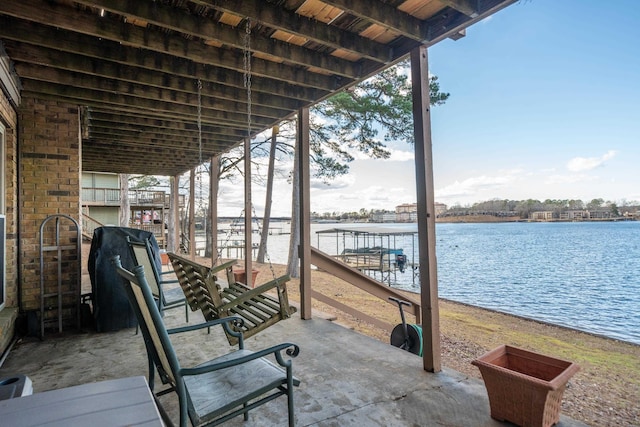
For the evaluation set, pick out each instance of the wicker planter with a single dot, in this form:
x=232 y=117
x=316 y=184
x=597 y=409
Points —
x=524 y=388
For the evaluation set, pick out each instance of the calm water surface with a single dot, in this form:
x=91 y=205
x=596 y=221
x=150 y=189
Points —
x=582 y=275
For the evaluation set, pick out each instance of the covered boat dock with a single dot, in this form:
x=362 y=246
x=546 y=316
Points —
x=380 y=251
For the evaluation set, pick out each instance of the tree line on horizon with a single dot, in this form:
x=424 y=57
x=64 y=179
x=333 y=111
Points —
x=504 y=208
x=524 y=208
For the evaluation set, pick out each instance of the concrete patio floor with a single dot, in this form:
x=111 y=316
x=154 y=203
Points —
x=348 y=379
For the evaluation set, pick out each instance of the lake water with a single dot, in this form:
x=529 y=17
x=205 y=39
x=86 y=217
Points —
x=584 y=275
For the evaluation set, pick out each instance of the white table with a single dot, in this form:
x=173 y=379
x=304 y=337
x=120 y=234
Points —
x=121 y=402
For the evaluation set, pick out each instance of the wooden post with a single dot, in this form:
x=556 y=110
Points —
x=426 y=209
x=173 y=241
x=213 y=206
x=248 y=214
x=304 y=251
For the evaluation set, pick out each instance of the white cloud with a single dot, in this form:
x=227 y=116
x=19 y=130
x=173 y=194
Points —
x=401 y=155
x=396 y=155
x=568 y=179
x=478 y=184
x=579 y=164
x=343 y=181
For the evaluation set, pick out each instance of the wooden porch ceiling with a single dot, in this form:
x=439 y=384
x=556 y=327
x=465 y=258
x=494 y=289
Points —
x=134 y=66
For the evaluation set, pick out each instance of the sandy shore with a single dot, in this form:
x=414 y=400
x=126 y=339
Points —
x=605 y=392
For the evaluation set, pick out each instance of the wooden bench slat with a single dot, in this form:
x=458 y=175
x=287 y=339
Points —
x=203 y=291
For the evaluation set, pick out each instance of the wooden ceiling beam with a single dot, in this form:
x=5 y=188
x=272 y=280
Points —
x=102 y=141
x=113 y=63
x=169 y=128
x=91 y=97
x=110 y=158
x=208 y=102
x=166 y=17
x=278 y=18
x=76 y=52
x=467 y=7
x=383 y=14
x=171 y=54
x=154 y=146
x=452 y=20
x=147 y=148
x=152 y=135
x=448 y=23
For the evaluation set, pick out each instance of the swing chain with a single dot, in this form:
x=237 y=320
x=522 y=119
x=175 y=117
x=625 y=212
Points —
x=247 y=84
x=247 y=72
x=199 y=122
x=225 y=244
x=266 y=253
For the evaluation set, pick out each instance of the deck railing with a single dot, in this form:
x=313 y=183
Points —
x=111 y=197
x=89 y=225
x=101 y=196
x=354 y=277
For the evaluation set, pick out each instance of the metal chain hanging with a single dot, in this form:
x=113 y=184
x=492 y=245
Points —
x=246 y=62
x=200 y=139
x=247 y=84
x=225 y=244
x=260 y=231
x=247 y=71
x=199 y=122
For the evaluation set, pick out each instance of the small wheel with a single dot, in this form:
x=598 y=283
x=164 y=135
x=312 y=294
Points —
x=413 y=343
x=397 y=337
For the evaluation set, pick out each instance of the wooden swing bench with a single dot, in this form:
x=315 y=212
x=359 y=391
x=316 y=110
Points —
x=204 y=292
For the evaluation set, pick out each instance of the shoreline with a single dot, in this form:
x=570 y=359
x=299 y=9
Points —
x=555 y=325
x=605 y=392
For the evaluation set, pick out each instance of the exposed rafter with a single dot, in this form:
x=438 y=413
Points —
x=134 y=67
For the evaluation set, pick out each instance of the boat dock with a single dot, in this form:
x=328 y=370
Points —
x=375 y=250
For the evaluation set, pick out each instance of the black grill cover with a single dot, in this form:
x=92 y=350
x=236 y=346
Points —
x=111 y=309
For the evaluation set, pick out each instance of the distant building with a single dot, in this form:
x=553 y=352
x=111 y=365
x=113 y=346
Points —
x=542 y=215
x=101 y=197
x=440 y=209
x=408 y=212
x=630 y=211
x=600 y=213
x=384 y=217
x=574 y=214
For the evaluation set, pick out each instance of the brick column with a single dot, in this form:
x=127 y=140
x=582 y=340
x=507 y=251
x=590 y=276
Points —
x=49 y=184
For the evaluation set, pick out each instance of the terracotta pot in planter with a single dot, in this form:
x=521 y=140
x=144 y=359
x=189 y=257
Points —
x=240 y=276
x=524 y=387
x=164 y=258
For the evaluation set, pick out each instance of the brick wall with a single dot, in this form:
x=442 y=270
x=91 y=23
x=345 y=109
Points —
x=8 y=117
x=49 y=173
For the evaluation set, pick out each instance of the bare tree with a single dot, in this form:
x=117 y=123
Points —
x=125 y=206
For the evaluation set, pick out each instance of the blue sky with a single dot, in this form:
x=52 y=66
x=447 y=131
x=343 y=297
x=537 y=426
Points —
x=544 y=104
